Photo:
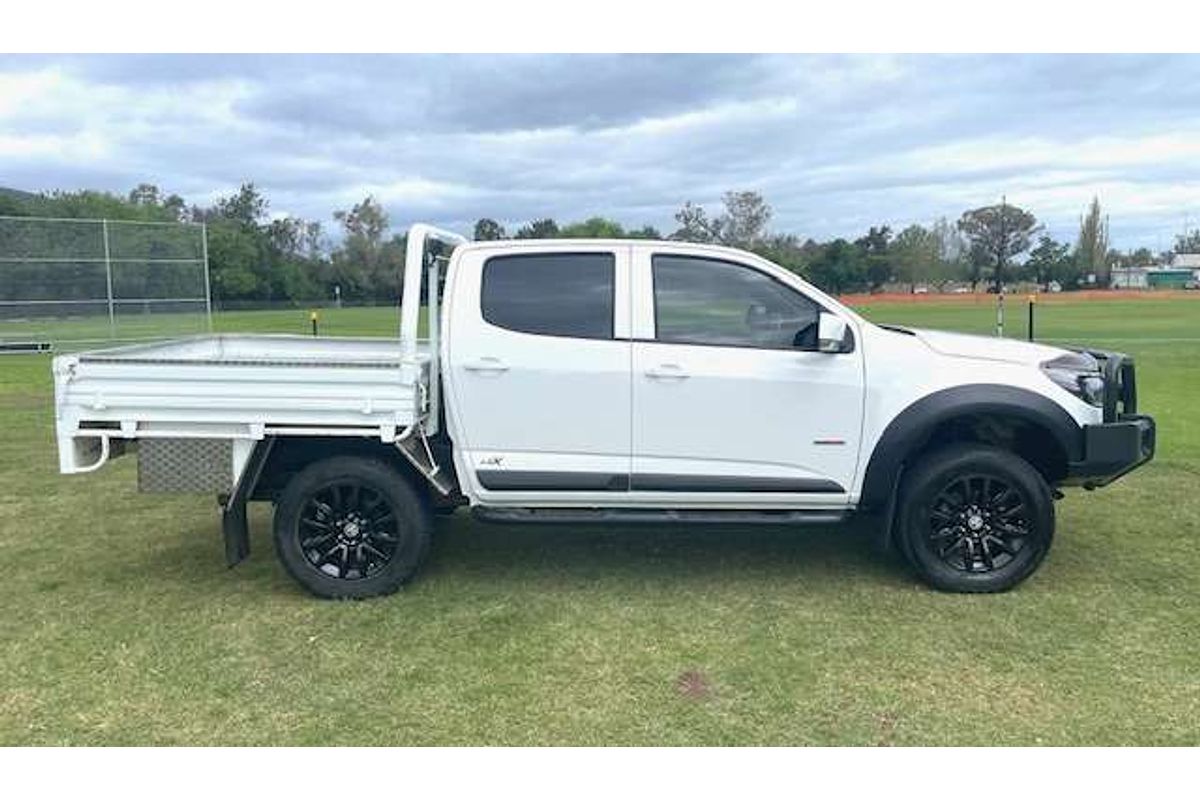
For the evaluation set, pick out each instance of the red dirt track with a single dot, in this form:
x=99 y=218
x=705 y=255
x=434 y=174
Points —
x=982 y=298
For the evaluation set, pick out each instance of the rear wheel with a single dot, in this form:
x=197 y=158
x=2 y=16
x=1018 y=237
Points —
x=975 y=519
x=351 y=528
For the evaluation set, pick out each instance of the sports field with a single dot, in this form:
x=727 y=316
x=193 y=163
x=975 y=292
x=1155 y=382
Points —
x=122 y=625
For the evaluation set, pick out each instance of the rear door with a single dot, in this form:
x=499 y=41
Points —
x=733 y=405
x=538 y=356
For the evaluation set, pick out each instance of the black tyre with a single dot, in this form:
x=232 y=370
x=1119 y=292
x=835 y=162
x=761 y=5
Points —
x=351 y=527
x=974 y=519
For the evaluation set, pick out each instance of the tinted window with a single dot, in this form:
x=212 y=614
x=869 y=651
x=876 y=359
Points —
x=705 y=301
x=557 y=294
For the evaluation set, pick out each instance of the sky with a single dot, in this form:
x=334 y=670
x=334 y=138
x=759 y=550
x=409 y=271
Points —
x=834 y=143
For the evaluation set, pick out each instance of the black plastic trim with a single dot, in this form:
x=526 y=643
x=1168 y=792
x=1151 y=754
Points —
x=913 y=426
x=1112 y=450
x=546 y=481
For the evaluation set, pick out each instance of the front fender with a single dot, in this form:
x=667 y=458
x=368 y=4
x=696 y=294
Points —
x=910 y=430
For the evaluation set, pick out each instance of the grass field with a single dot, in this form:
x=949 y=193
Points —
x=122 y=625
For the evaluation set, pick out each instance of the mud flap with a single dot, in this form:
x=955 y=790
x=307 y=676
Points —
x=234 y=525
x=236 y=532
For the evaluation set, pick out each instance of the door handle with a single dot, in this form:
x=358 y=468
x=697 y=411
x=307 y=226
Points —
x=486 y=364
x=666 y=372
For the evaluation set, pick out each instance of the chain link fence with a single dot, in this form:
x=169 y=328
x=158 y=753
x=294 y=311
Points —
x=69 y=282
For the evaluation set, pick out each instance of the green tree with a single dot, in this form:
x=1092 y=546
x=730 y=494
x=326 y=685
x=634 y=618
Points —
x=11 y=206
x=1188 y=241
x=539 y=229
x=645 y=232
x=1050 y=261
x=1139 y=257
x=366 y=265
x=488 y=230
x=694 y=225
x=838 y=267
x=294 y=252
x=788 y=252
x=877 y=260
x=997 y=234
x=147 y=195
x=952 y=252
x=744 y=222
x=239 y=248
x=915 y=255
x=247 y=206
x=233 y=259
x=594 y=228
x=88 y=204
x=1091 y=248
x=976 y=264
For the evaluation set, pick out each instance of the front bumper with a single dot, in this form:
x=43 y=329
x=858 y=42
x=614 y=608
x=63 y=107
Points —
x=1125 y=440
x=1112 y=449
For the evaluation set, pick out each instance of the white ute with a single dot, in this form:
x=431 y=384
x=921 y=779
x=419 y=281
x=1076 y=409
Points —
x=585 y=381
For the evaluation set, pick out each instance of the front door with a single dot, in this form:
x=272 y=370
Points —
x=538 y=355
x=732 y=403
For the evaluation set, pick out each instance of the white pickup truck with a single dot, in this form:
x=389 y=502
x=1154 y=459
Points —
x=591 y=381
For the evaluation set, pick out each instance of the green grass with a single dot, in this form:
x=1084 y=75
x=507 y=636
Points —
x=95 y=331
x=122 y=626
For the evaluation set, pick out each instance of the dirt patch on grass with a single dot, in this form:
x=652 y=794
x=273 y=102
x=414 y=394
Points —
x=694 y=685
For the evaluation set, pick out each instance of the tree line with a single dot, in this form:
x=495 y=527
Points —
x=257 y=257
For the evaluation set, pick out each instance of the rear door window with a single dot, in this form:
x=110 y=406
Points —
x=551 y=294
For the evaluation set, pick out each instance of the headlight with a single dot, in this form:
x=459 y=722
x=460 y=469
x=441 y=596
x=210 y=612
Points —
x=1079 y=374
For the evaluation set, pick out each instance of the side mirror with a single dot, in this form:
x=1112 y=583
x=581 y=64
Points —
x=832 y=333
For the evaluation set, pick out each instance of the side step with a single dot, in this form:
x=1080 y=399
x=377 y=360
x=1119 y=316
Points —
x=652 y=516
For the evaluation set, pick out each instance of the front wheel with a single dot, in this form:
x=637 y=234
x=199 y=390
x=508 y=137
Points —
x=975 y=519
x=351 y=528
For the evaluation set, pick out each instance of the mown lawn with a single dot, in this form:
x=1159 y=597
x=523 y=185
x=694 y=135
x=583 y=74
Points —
x=122 y=625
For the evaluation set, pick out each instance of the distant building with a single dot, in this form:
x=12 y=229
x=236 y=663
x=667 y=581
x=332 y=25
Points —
x=1188 y=262
x=1130 y=277
x=1171 y=278
x=1183 y=273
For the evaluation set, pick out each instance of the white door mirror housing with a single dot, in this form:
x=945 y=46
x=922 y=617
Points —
x=832 y=334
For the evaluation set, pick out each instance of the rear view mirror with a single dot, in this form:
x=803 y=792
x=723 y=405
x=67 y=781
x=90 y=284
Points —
x=832 y=334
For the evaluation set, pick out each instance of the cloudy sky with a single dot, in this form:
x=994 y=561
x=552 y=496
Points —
x=834 y=143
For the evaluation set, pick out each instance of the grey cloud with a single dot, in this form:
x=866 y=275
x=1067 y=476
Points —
x=482 y=94
x=835 y=143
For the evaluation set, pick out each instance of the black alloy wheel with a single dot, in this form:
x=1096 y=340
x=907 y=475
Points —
x=974 y=518
x=978 y=523
x=351 y=527
x=348 y=530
